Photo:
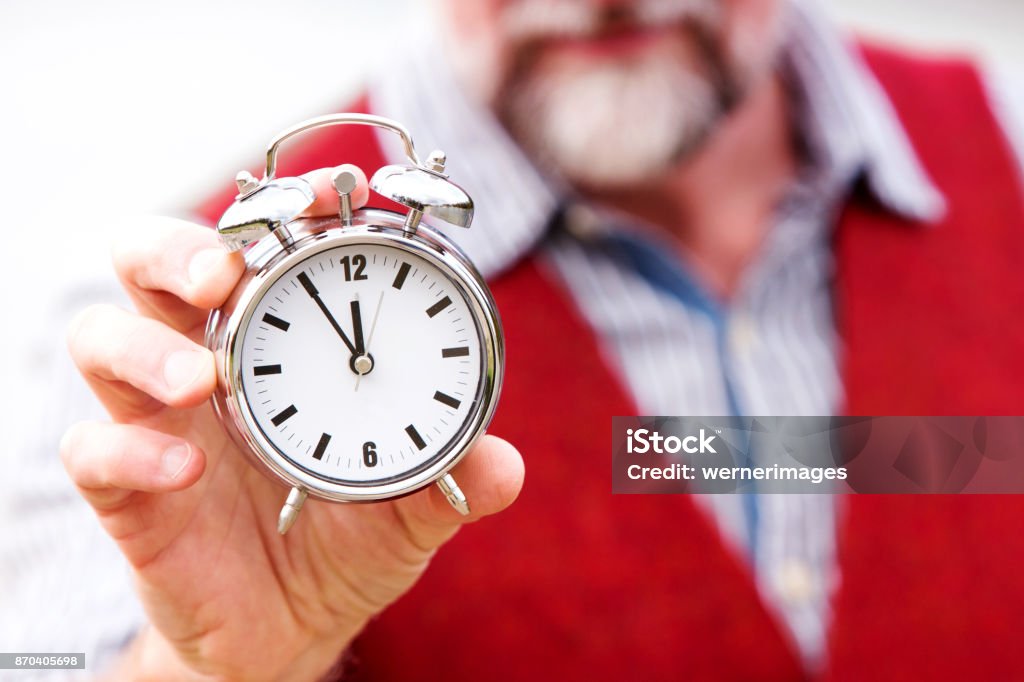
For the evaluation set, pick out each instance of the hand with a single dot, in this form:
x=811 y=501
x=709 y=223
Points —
x=227 y=597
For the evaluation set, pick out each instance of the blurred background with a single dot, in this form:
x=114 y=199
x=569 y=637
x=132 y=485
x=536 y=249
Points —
x=112 y=108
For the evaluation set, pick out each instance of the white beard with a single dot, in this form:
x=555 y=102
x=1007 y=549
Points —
x=613 y=124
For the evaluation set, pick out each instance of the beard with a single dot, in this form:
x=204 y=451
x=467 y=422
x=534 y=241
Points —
x=600 y=122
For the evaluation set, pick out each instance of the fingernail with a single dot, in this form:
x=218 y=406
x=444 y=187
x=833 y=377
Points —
x=183 y=367
x=204 y=262
x=176 y=458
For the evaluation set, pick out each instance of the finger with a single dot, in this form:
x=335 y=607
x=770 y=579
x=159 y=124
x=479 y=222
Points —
x=490 y=476
x=111 y=462
x=177 y=271
x=174 y=270
x=137 y=365
x=127 y=474
x=326 y=202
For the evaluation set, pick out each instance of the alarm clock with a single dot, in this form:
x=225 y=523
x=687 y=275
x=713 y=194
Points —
x=360 y=356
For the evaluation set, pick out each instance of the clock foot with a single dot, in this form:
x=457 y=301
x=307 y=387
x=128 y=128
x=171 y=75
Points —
x=453 y=492
x=290 y=510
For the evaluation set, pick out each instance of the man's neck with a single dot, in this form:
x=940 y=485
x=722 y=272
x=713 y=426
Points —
x=718 y=203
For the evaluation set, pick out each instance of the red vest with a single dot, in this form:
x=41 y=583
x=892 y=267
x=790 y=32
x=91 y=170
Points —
x=573 y=583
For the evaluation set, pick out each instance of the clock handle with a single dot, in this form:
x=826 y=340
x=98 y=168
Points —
x=266 y=206
x=423 y=187
x=334 y=120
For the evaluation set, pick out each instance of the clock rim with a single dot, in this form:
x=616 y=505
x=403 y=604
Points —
x=267 y=262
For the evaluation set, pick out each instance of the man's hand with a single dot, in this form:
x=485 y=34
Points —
x=227 y=597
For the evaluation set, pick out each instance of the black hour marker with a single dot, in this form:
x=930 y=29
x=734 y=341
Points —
x=458 y=352
x=403 y=272
x=321 y=447
x=416 y=437
x=439 y=306
x=447 y=400
x=286 y=414
x=276 y=322
x=307 y=284
x=263 y=370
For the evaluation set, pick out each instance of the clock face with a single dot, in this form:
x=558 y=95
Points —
x=362 y=364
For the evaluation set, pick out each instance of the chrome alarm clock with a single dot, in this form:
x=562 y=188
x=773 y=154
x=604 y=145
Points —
x=360 y=355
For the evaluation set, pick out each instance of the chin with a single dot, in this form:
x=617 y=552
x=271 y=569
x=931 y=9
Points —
x=607 y=123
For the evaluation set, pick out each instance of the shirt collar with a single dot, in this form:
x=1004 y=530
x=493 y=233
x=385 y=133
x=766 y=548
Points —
x=848 y=121
x=850 y=126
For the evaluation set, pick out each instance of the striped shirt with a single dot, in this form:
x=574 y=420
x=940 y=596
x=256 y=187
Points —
x=65 y=587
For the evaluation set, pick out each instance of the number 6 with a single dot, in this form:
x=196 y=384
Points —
x=370 y=454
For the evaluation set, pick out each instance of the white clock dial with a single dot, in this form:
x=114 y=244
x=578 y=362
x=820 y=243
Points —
x=362 y=364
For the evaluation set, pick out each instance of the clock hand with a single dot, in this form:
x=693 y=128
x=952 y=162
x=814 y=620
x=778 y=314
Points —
x=373 y=326
x=357 y=327
x=311 y=289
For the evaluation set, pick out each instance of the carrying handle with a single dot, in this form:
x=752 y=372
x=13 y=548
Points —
x=334 y=120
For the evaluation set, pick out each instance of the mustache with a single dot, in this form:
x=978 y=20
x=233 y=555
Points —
x=533 y=20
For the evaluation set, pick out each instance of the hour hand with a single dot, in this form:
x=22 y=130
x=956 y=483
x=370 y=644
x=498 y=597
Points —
x=357 y=327
x=314 y=294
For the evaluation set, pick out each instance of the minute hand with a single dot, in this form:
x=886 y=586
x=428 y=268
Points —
x=307 y=284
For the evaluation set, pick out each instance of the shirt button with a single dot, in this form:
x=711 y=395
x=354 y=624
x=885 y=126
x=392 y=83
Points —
x=582 y=222
x=794 y=582
x=742 y=332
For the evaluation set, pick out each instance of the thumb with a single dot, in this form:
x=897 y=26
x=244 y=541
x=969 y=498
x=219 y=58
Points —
x=490 y=475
